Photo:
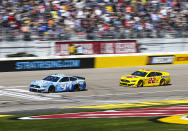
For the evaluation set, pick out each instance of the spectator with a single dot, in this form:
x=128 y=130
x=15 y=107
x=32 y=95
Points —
x=54 y=17
x=26 y=32
x=72 y=49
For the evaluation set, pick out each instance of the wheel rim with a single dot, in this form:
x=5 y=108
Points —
x=139 y=83
x=77 y=87
x=163 y=83
x=51 y=90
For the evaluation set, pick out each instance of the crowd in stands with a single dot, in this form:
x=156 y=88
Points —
x=93 y=19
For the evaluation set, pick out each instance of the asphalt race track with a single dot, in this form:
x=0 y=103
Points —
x=102 y=84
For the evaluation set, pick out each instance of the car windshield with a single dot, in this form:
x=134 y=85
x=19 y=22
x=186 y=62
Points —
x=51 y=78
x=139 y=73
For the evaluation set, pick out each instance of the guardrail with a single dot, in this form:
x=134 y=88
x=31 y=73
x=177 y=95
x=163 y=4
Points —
x=16 y=35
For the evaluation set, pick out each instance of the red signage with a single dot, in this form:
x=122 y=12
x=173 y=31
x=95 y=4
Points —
x=96 y=47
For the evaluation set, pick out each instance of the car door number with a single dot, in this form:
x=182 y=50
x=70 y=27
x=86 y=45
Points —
x=151 y=80
x=64 y=86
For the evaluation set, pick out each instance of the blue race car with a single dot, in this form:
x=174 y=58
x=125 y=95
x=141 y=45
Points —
x=58 y=83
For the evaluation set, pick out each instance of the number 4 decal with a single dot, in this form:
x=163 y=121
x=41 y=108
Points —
x=151 y=80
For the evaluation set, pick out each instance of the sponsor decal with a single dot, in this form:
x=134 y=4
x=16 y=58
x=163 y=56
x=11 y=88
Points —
x=141 y=112
x=177 y=119
x=160 y=60
x=164 y=76
x=151 y=80
x=181 y=58
x=129 y=77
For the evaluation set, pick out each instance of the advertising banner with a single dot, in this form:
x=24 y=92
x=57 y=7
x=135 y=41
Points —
x=47 y=64
x=163 y=59
x=96 y=47
x=185 y=58
x=181 y=59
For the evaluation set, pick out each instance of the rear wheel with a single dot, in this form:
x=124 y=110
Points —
x=140 y=83
x=77 y=87
x=51 y=89
x=162 y=82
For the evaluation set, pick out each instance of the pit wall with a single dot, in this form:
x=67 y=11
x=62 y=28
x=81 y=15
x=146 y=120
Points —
x=181 y=59
x=92 y=61
x=140 y=60
x=120 y=61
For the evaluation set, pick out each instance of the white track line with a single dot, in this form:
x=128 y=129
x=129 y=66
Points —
x=10 y=87
x=24 y=96
x=41 y=94
x=14 y=91
x=1 y=87
x=18 y=90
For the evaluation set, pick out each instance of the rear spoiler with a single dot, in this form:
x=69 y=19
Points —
x=80 y=77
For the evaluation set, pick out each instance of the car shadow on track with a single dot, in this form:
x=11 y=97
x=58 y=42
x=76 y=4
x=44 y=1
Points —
x=147 y=86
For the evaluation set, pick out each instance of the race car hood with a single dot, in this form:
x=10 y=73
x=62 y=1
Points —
x=130 y=77
x=40 y=82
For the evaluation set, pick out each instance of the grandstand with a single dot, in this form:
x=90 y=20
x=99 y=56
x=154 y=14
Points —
x=92 y=19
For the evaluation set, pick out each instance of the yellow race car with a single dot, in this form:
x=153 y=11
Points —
x=144 y=77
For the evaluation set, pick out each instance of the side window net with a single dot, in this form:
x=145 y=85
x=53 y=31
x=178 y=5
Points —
x=65 y=79
x=72 y=79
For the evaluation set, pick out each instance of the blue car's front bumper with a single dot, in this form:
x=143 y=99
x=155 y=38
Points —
x=38 y=89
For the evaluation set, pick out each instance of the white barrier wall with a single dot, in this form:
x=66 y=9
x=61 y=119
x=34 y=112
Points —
x=47 y=48
x=163 y=45
x=39 y=48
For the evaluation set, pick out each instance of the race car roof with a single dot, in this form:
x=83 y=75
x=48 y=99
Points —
x=147 y=70
x=61 y=75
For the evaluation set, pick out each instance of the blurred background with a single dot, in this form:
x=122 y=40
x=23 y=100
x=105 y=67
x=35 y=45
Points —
x=26 y=25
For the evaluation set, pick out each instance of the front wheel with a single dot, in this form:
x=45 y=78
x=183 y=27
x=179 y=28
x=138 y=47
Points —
x=51 y=89
x=140 y=83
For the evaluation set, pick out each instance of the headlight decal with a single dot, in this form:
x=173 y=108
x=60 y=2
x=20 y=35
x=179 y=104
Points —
x=164 y=76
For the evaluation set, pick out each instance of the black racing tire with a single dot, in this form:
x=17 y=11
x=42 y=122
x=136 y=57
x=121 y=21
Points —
x=140 y=83
x=51 y=89
x=76 y=87
x=162 y=82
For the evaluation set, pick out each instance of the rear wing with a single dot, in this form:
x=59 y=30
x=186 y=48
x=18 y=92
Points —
x=80 y=77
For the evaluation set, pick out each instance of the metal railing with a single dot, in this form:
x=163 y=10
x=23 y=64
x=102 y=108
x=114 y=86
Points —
x=15 y=35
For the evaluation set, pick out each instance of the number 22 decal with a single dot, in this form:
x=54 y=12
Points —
x=151 y=80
